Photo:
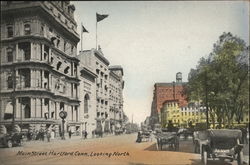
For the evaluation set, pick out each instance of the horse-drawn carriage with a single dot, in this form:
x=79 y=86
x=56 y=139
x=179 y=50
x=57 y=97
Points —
x=222 y=144
x=167 y=138
x=145 y=135
x=118 y=131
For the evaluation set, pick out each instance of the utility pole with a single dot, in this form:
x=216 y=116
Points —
x=132 y=118
x=13 y=96
x=206 y=99
x=174 y=90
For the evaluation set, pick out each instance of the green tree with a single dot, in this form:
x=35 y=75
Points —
x=224 y=76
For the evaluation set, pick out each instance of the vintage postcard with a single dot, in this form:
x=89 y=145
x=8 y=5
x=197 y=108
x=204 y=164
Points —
x=124 y=83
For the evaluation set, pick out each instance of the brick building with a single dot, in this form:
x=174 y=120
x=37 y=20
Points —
x=166 y=92
x=39 y=68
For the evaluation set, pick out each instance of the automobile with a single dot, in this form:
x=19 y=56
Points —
x=11 y=139
x=219 y=143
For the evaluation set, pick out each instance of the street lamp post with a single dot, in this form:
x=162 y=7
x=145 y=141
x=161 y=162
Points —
x=13 y=96
x=63 y=115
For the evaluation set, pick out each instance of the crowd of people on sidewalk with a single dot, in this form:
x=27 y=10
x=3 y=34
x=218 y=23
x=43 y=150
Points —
x=49 y=135
x=41 y=135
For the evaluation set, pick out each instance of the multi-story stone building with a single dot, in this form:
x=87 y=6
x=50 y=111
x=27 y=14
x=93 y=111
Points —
x=170 y=111
x=166 y=92
x=116 y=85
x=87 y=92
x=192 y=114
x=181 y=116
x=101 y=64
x=39 y=68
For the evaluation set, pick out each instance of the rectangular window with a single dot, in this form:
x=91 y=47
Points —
x=27 y=29
x=24 y=50
x=64 y=46
x=10 y=82
x=10 y=31
x=9 y=55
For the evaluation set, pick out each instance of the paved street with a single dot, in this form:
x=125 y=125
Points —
x=114 y=149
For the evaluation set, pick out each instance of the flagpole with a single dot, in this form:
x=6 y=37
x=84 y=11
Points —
x=96 y=35
x=81 y=36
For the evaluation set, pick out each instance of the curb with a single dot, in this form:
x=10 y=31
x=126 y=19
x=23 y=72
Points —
x=246 y=159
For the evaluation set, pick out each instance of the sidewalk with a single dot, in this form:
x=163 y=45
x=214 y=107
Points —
x=246 y=159
x=246 y=153
x=73 y=138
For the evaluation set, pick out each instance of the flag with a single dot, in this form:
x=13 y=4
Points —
x=84 y=30
x=100 y=17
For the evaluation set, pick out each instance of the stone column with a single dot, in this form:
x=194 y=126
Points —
x=77 y=114
x=49 y=109
x=31 y=51
x=71 y=68
x=73 y=113
x=76 y=91
x=42 y=76
x=42 y=52
x=49 y=55
x=56 y=111
x=51 y=83
x=32 y=107
x=21 y=109
x=16 y=56
x=18 y=115
x=42 y=103
x=39 y=107
x=32 y=79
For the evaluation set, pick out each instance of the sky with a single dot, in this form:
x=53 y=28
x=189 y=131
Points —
x=153 y=40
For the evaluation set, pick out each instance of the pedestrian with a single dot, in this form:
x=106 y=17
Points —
x=29 y=135
x=93 y=133
x=42 y=135
x=52 y=135
x=139 y=138
x=85 y=134
x=70 y=134
x=37 y=137
x=48 y=135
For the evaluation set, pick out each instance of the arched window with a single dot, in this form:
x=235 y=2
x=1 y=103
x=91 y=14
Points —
x=86 y=103
x=27 y=29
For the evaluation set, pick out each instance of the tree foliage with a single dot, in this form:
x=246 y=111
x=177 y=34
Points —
x=224 y=76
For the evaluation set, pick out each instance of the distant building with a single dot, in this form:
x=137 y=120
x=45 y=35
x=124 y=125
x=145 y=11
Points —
x=182 y=116
x=116 y=86
x=170 y=112
x=39 y=68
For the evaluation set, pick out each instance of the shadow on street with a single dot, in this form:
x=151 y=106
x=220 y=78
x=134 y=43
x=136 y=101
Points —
x=184 y=146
